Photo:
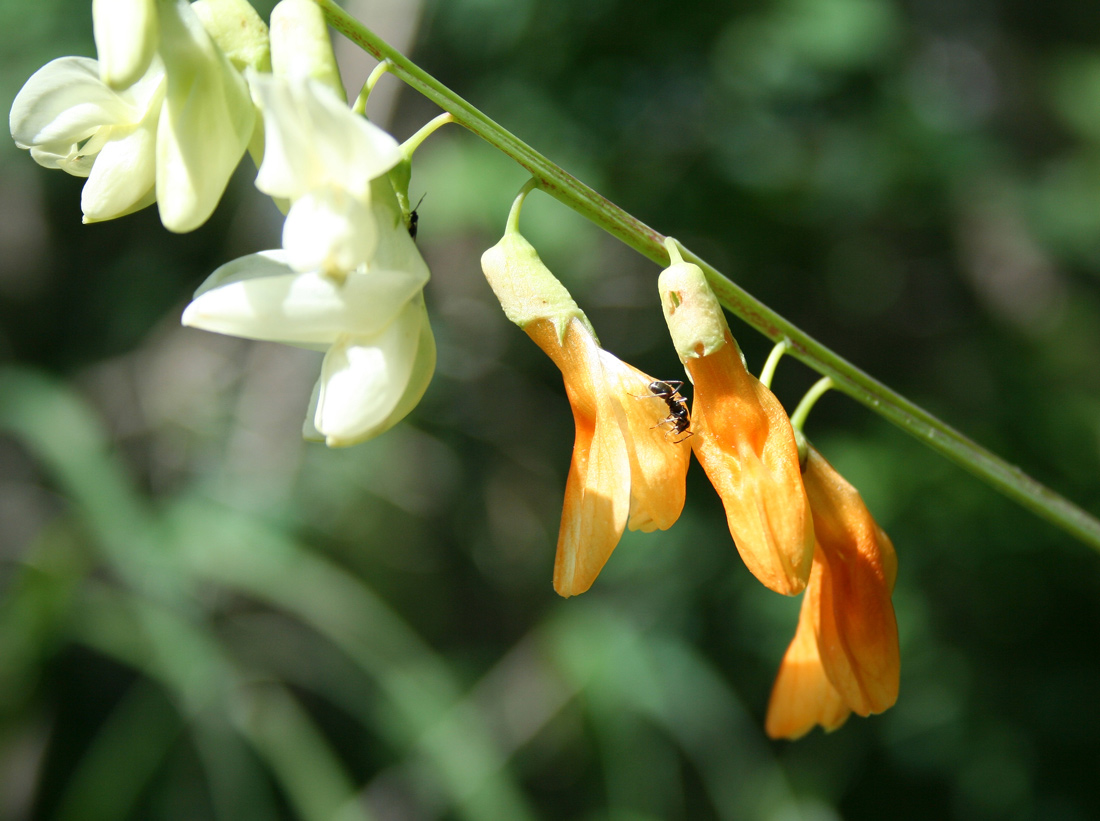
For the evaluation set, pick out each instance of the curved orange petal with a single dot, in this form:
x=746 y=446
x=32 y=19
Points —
x=744 y=441
x=857 y=631
x=658 y=457
x=802 y=695
x=597 y=491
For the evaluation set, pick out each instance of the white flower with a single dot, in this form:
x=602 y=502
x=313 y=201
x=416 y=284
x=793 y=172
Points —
x=323 y=158
x=175 y=135
x=70 y=120
x=372 y=323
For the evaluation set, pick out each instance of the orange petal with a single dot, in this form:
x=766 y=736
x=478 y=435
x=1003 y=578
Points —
x=802 y=695
x=744 y=441
x=597 y=491
x=857 y=631
x=658 y=462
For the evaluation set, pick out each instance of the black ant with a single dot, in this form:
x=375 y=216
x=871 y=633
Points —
x=414 y=219
x=678 y=417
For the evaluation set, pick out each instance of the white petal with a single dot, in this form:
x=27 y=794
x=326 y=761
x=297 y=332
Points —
x=364 y=378
x=422 y=371
x=123 y=174
x=64 y=103
x=65 y=156
x=260 y=297
x=125 y=39
x=300 y=44
x=314 y=140
x=205 y=123
x=238 y=31
x=329 y=230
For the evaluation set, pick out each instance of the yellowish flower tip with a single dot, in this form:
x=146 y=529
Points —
x=526 y=288
x=238 y=30
x=126 y=38
x=300 y=44
x=694 y=317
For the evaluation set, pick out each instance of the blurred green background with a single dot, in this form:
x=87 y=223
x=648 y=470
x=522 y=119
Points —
x=201 y=617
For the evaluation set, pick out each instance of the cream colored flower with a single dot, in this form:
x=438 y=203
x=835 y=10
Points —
x=174 y=135
x=371 y=323
x=322 y=158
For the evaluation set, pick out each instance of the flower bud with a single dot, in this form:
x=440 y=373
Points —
x=205 y=124
x=238 y=30
x=300 y=45
x=125 y=39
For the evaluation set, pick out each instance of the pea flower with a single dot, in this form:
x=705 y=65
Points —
x=742 y=436
x=371 y=322
x=626 y=470
x=69 y=119
x=173 y=136
x=844 y=656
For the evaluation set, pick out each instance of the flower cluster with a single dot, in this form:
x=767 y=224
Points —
x=178 y=93
x=796 y=523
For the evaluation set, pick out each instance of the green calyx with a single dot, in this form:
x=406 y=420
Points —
x=694 y=316
x=526 y=288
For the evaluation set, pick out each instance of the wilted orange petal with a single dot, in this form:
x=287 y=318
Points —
x=857 y=631
x=658 y=462
x=597 y=492
x=744 y=441
x=802 y=695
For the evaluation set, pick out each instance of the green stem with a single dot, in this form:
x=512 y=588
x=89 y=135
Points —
x=360 y=106
x=410 y=145
x=798 y=418
x=847 y=378
x=512 y=226
x=767 y=373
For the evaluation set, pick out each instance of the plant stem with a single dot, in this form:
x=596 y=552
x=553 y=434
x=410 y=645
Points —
x=798 y=418
x=846 y=378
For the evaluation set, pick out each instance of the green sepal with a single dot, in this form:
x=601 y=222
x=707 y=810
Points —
x=526 y=288
x=692 y=312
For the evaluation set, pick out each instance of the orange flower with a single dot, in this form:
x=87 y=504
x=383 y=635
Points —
x=844 y=656
x=742 y=436
x=626 y=470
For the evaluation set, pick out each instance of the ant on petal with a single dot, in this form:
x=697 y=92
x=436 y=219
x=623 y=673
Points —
x=678 y=417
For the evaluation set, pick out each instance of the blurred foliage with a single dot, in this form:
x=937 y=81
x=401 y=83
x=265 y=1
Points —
x=201 y=617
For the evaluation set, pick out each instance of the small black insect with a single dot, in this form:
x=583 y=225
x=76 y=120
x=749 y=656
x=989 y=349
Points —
x=678 y=417
x=414 y=218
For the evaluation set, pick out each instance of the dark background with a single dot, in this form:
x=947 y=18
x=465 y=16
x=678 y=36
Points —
x=203 y=617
